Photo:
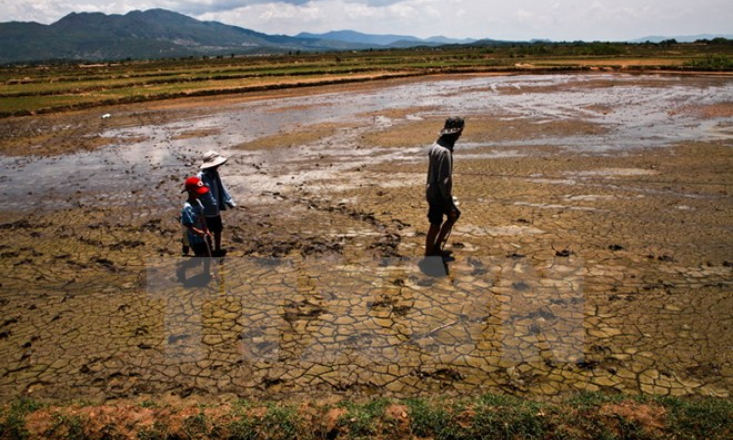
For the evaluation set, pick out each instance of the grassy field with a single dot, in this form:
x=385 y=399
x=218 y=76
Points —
x=587 y=416
x=26 y=90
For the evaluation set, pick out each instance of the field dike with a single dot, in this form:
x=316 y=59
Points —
x=585 y=416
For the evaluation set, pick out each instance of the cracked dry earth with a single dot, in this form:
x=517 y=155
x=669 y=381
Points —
x=594 y=250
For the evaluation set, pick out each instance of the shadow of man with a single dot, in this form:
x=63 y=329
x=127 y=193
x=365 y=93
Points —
x=436 y=267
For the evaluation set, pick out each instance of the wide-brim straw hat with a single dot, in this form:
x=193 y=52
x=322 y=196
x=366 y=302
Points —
x=212 y=159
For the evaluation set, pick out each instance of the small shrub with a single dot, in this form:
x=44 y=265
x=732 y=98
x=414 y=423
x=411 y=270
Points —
x=712 y=63
x=69 y=427
x=156 y=432
x=280 y=422
x=12 y=420
x=506 y=417
x=244 y=428
x=363 y=420
x=428 y=420
x=699 y=418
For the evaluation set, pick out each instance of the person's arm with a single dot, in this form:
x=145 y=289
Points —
x=187 y=220
x=228 y=200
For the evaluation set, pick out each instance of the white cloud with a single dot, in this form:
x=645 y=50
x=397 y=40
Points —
x=18 y=11
x=517 y=20
x=327 y=15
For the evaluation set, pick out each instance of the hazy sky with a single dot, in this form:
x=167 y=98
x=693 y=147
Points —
x=560 y=20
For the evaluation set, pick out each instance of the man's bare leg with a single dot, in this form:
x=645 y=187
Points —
x=430 y=240
x=444 y=231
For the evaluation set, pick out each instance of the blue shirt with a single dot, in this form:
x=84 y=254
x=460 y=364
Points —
x=218 y=198
x=192 y=214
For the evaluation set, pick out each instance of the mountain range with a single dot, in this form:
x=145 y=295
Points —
x=382 y=40
x=680 y=39
x=158 y=33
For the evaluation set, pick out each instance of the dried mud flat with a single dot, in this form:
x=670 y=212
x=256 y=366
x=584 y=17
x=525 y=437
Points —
x=594 y=250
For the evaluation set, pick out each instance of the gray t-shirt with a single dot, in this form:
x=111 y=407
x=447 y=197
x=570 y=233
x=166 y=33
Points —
x=439 y=187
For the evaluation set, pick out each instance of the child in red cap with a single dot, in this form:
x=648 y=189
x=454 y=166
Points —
x=192 y=218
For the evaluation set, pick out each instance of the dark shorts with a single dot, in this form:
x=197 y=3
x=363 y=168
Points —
x=214 y=224
x=436 y=211
x=200 y=250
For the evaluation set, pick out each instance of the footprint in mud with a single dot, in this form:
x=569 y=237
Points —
x=564 y=253
x=387 y=245
x=20 y=224
x=319 y=247
x=478 y=267
x=127 y=244
x=107 y=264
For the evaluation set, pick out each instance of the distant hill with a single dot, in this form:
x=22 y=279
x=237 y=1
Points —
x=382 y=40
x=155 y=33
x=158 y=33
x=680 y=39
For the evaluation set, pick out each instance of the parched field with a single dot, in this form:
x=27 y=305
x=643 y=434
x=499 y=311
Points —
x=593 y=253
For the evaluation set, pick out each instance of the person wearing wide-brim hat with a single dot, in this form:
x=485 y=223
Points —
x=439 y=187
x=218 y=199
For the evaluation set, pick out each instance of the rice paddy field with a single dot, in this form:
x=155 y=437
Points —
x=588 y=294
x=56 y=87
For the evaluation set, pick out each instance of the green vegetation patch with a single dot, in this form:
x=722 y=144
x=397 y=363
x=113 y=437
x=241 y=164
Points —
x=583 y=417
x=13 y=419
x=26 y=89
x=712 y=63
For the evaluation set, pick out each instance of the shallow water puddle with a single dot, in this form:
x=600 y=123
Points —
x=636 y=116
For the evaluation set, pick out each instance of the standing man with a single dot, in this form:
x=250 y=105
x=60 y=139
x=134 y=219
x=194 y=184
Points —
x=218 y=199
x=439 y=189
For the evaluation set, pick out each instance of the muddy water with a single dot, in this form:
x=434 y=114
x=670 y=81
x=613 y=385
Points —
x=593 y=253
x=651 y=112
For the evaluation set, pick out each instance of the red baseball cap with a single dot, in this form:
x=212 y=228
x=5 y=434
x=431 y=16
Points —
x=196 y=185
